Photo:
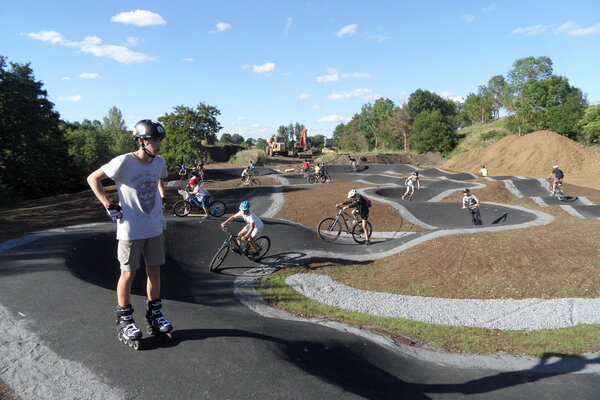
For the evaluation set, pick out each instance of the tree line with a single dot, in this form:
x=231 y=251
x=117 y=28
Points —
x=532 y=97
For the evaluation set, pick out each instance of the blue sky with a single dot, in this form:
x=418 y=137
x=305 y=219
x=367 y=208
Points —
x=269 y=63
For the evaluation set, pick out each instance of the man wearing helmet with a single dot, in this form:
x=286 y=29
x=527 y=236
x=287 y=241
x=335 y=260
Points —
x=254 y=226
x=558 y=177
x=140 y=222
x=410 y=185
x=359 y=203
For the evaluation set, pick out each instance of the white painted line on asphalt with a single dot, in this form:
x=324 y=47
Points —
x=573 y=211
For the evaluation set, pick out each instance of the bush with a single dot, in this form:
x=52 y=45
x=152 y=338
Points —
x=244 y=157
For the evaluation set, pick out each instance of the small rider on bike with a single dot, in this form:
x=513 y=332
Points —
x=199 y=196
x=471 y=202
x=356 y=201
x=246 y=173
x=410 y=185
x=253 y=227
x=351 y=161
x=558 y=177
x=252 y=167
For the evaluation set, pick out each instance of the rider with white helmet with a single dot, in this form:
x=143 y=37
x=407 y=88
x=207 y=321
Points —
x=361 y=207
x=558 y=177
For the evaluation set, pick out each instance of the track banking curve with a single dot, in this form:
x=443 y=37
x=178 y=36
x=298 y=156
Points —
x=59 y=342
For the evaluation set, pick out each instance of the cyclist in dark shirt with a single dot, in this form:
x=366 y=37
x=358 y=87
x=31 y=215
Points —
x=356 y=201
x=558 y=177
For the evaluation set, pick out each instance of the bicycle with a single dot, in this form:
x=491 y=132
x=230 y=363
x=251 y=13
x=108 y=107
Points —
x=408 y=196
x=475 y=215
x=352 y=167
x=313 y=178
x=230 y=243
x=330 y=228
x=183 y=207
x=559 y=192
x=249 y=181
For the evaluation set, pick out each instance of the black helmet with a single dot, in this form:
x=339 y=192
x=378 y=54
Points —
x=466 y=190
x=148 y=129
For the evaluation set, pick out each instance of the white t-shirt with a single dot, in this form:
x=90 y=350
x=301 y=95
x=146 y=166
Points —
x=250 y=218
x=137 y=186
x=199 y=192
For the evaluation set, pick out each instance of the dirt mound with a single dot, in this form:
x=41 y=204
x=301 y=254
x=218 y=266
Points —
x=426 y=160
x=533 y=155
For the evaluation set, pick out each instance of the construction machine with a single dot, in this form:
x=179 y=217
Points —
x=276 y=145
x=302 y=147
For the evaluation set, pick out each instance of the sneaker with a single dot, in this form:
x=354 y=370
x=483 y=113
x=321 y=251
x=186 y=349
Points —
x=367 y=242
x=403 y=197
x=236 y=250
x=207 y=217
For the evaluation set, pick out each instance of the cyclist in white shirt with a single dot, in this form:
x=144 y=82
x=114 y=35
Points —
x=253 y=227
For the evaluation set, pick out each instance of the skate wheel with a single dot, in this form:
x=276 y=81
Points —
x=120 y=336
x=135 y=344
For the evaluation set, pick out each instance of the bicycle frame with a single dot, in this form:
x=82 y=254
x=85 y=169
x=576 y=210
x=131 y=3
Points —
x=345 y=217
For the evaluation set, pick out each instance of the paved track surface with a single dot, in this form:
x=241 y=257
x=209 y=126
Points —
x=57 y=297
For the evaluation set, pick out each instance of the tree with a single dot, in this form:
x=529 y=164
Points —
x=424 y=100
x=260 y=144
x=316 y=141
x=187 y=129
x=395 y=131
x=525 y=71
x=372 y=118
x=34 y=160
x=113 y=125
x=250 y=142
x=236 y=138
x=226 y=138
x=89 y=146
x=496 y=86
x=590 y=124
x=431 y=131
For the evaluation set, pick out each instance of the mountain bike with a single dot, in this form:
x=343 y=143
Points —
x=314 y=178
x=559 y=192
x=249 y=181
x=230 y=243
x=183 y=207
x=329 y=229
x=475 y=215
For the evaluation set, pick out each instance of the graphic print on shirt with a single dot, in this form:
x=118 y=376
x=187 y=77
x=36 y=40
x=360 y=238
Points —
x=146 y=191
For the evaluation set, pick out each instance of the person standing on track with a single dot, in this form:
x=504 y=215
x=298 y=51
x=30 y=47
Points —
x=140 y=222
x=484 y=171
x=471 y=202
x=360 y=205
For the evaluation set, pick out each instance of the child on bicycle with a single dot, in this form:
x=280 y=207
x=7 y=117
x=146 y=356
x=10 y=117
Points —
x=246 y=174
x=352 y=161
x=558 y=177
x=358 y=202
x=254 y=226
x=410 y=185
x=471 y=202
x=199 y=197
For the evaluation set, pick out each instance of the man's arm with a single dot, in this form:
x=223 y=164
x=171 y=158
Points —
x=161 y=188
x=95 y=182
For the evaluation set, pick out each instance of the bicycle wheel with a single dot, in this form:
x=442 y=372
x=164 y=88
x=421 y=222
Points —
x=182 y=208
x=560 y=193
x=311 y=179
x=347 y=168
x=358 y=233
x=219 y=257
x=217 y=208
x=264 y=244
x=255 y=182
x=329 y=229
x=323 y=179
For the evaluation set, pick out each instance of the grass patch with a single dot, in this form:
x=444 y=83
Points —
x=568 y=341
x=244 y=157
x=481 y=135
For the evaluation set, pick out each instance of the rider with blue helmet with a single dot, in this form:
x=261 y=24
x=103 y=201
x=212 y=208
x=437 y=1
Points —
x=253 y=227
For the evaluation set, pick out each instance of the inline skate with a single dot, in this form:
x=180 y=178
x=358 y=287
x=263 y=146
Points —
x=127 y=330
x=157 y=325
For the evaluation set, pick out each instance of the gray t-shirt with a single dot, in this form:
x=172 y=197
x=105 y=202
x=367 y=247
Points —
x=137 y=186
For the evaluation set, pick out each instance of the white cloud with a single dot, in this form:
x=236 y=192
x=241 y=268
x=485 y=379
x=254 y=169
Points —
x=223 y=26
x=567 y=26
x=188 y=59
x=139 y=18
x=489 y=8
x=334 y=76
x=304 y=96
x=288 y=25
x=93 y=45
x=89 y=75
x=48 y=36
x=264 y=69
x=451 y=96
x=468 y=18
x=316 y=107
x=378 y=38
x=65 y=78
x=133 y=41
x=74 y=98
x=350 y=94
x=347 y=30
x=531 y=30
x=592 y=30
x=333 y=118
x=241 y=118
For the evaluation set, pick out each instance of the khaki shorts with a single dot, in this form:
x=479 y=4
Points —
x=130 y=251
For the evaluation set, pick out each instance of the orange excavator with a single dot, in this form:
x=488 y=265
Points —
x=302 y=147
